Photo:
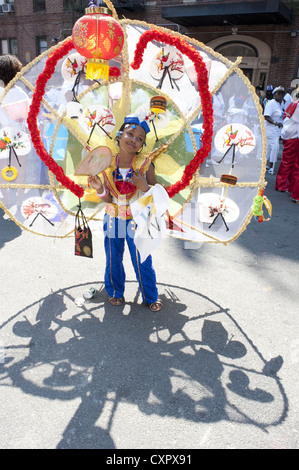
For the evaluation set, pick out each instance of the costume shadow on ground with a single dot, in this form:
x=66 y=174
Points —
x=8 y=229
x=189 y=361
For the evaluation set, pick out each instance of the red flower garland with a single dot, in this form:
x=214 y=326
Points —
x=206 y=99
x=39 y=92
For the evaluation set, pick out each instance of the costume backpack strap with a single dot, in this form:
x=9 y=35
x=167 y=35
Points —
x=152 y=156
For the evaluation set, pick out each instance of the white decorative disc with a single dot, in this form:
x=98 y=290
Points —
x=98 y=116
x=18 y=140
x=210 y=204
x=168 y=57
x=72 y=65
x=237 y=134
x=37 y=205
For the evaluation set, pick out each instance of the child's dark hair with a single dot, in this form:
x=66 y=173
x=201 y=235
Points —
x=9 y=67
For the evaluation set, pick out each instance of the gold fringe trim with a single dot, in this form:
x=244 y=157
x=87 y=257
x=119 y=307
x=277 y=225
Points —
x=111 y=7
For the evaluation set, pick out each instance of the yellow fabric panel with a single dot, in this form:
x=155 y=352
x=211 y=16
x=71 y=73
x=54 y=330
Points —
x=166 y=165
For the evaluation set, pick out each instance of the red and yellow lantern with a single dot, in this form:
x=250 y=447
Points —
x=98 y=37
x=158 y=104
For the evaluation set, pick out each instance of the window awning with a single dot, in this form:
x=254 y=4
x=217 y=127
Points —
x=216 y=14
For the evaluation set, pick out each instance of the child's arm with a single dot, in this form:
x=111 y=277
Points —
x=102 y=192
x=151 y=175
x=143 y=182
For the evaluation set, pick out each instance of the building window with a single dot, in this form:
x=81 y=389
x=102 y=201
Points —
x=39 y=5
x=9 y=46
x=236 y=49
x=75 y=5
x=263 y=80
x=41 y=44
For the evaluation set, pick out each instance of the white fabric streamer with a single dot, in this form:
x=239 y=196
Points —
x=149 y=215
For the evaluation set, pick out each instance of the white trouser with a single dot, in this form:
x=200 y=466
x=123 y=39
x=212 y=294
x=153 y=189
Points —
x=272 y=145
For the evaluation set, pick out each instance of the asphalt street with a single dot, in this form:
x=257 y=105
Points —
x=217 y=368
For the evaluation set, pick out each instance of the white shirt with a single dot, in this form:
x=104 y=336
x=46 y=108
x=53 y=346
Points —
x=218 y=105
x=14 y=108
x=274 y=111
x=290 y=128
x=287 y=100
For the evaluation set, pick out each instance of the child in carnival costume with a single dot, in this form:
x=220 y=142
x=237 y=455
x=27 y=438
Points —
x=129 y=176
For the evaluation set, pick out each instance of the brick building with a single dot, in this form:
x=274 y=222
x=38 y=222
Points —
x=265 y=33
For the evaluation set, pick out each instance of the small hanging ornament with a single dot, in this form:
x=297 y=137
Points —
x=257 y=207
x=158 y=104
x=98 y=37
x=229 y=179
x=157 y=107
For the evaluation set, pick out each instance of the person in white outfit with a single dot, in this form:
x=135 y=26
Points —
x=287 y=100
x=15 y=104
x=273 y=121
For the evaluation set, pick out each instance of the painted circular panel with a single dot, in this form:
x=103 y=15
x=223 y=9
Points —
x=12 y=140
x=72 y=66
x=168 y=62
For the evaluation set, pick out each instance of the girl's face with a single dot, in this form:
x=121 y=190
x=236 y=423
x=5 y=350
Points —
x=132 y=139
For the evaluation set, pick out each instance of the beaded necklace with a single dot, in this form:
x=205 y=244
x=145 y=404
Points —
x=124 y=184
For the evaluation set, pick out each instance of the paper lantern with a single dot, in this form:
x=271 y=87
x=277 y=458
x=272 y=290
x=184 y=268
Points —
x=98 y=37
x=158 y=104
x=229 y=179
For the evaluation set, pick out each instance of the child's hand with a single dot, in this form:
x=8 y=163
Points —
x=95 y=183
x=140 y=181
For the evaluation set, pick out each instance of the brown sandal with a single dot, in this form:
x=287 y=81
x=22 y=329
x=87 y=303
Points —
x=116 y=301
x=156 y=306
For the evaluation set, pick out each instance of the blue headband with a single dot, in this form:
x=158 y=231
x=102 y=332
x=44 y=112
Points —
x=135 y=120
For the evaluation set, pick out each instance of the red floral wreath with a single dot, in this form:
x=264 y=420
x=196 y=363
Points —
x=202 y=80
x=203 y=88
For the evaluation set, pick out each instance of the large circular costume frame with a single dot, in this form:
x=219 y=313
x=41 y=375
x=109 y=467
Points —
x=176 y=148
